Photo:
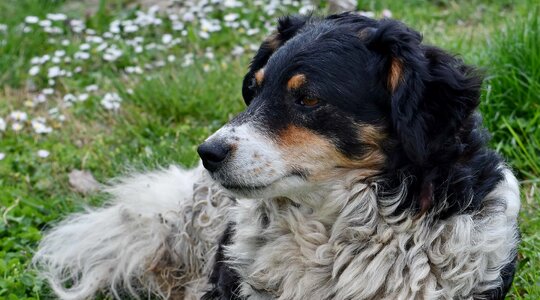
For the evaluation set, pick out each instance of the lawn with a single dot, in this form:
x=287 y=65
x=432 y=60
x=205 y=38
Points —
x=112 y=86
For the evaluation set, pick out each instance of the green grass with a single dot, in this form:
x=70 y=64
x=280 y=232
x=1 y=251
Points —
x=167 y=111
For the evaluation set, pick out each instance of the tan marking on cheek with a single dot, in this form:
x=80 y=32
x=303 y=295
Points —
x=394 y=76
x=296 y=81
x=372 y=138
x=304 y=149
x=259 y=76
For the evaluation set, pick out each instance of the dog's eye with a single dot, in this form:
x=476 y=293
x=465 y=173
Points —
x=309 y=102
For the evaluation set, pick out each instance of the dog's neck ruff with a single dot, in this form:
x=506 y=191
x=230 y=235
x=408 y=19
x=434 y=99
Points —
x=353 y=245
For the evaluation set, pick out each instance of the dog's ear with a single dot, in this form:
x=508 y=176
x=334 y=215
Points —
x=287 y=27
x=405 y=68
x=432 y=96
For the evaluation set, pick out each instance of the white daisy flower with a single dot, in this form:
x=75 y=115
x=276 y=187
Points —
x=134 y=69
x=252 y=31
x=16 y=126
x=2 y=125
x=81 y=55
x=111 y=101
x=177 y=26
x=59 y=53
x=54 y=71
x=82 y=97
x=43 y=153
x=40 y=127
x=18 y=115
x=237 y=51
x=209 y=54
x=204 y=35
x=386 y=13
x=31 y=19
x=34 y=71
x=84 y=46
x=56 y=17
x=231 y=17
x=2 y=156
x=40 y=98
x=112 y=54
x=131 y=28
x=77 y=25
x=232 y=3
x=166 y=38
x=53 y=30
x=45 y=23
x=48 y=91
x=102 y=47
x=69 y=98
x=91 y=88
x=188 y=17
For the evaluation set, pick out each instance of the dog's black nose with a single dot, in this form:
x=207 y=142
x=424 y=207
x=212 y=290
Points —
x=213 y=154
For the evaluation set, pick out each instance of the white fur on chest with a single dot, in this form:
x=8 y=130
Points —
x=351 y=246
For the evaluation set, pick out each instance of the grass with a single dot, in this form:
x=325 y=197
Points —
x=166 y=111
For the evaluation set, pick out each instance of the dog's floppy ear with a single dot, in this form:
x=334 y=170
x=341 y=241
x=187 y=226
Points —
x=432 y=96
x=287 y=27
x=404 y=71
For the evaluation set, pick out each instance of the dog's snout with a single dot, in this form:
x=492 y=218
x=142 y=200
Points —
x=213 y=154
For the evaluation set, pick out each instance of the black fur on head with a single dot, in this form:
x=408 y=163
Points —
x=435 y=139
x=287 y=27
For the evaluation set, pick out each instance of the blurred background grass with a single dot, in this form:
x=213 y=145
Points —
x=185 y=91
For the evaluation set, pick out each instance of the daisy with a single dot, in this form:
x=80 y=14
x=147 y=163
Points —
x=16 y=126
x=43 y=153
x=111 y=101
x=18 y=115
x=31 y=19
x=40 y=127
x=34 y=71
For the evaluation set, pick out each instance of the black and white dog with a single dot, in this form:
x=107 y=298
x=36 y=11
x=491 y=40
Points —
x=359 y=170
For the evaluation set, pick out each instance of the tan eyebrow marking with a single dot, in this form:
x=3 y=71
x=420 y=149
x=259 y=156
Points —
x=259 y=76
x=296 y=81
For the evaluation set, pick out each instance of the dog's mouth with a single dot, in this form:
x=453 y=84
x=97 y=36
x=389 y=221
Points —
x=255 y=188
x=242 y=187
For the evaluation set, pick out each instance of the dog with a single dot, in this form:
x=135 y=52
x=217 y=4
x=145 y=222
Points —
x=359 y=170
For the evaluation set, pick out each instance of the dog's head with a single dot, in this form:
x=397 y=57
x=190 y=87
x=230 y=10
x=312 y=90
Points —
x=326 y=95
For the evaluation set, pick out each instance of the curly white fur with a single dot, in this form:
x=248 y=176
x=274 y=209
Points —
x=350 y=245
x=156 y=234
x=159 y=231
